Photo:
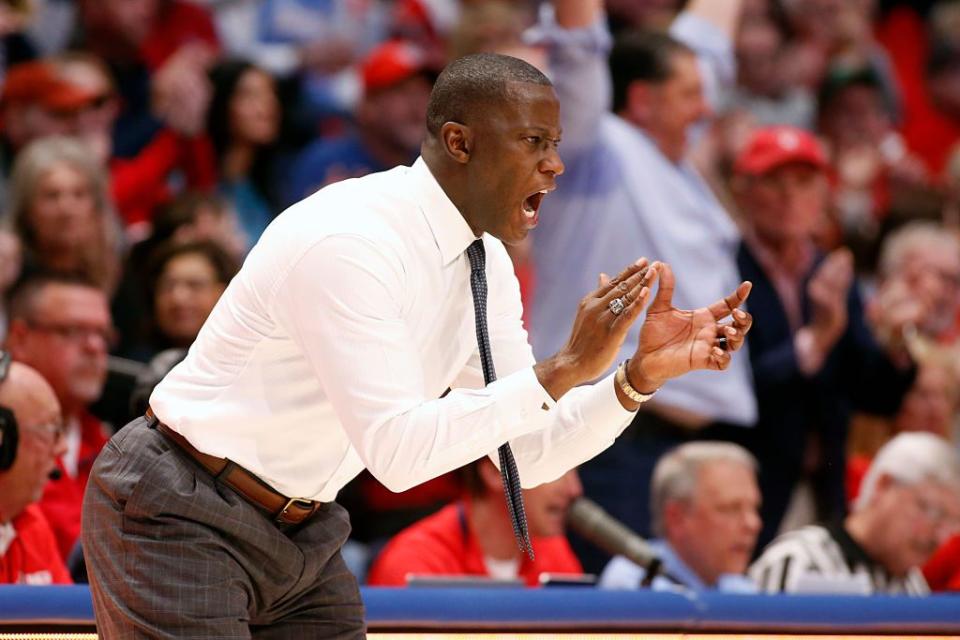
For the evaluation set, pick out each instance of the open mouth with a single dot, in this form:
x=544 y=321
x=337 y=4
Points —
x=531 y=207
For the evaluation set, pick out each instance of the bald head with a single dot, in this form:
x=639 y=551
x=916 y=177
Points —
x=29 y=396
x=39 y=422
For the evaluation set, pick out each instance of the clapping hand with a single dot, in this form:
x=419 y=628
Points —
x=674 y=341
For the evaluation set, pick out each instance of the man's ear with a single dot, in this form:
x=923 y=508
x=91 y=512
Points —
x=457 y=141
x=16 y=336
x=637 y=107
x=674 y=516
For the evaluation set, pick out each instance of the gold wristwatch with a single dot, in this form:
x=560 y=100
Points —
x=621 y=379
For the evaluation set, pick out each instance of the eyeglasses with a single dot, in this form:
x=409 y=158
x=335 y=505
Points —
x=55 y=430
x=77 y=334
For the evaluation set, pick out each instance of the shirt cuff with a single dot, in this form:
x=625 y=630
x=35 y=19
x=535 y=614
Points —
x=522 y=404
x=601 y=410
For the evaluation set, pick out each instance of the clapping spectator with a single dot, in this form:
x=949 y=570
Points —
x=812 y=354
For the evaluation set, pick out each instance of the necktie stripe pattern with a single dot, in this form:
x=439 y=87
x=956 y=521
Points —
x=508 y=465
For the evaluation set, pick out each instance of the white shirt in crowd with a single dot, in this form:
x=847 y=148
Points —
x=331 y=348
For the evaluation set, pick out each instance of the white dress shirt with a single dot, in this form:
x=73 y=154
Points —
x=329 y=352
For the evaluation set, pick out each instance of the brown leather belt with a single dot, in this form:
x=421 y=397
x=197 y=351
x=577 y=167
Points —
x=283 y=510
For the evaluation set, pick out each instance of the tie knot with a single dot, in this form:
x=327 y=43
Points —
x=477 y=255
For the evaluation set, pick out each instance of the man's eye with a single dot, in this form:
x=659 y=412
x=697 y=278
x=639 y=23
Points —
x=533 y=139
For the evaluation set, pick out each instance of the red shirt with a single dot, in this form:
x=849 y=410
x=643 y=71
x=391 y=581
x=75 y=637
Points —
x=139 y=184
x=31 y=556
x=942 y=571
x=63 y=498
x=929 y=133
x=444 y=544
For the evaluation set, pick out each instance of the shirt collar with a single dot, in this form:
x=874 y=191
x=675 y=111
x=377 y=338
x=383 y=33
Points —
x=677 y=568
x=853 y=553
x=450 y=230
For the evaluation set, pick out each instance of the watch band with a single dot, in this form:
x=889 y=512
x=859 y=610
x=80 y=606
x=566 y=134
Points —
x=621 y=379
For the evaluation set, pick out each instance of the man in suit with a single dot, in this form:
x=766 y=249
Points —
x=813 y=357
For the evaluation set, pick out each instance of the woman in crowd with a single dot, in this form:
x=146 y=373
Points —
x=244 y=125
x=184 y=282
x=60 y=208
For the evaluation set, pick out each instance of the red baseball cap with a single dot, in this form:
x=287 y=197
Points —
x=38 y=82
x=390 y=63
x=772 y=147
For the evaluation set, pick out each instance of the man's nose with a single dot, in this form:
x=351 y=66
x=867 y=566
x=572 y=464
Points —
x=552 y=163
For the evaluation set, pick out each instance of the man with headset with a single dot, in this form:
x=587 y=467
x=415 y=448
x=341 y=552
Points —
x=31 y=430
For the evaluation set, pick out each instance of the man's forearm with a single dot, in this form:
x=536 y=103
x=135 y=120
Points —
x=577 y=14
x=723 y=14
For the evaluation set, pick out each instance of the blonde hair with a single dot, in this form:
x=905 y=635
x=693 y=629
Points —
x=100 y=261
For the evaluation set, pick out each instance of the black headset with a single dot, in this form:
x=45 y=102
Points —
x=9 y=436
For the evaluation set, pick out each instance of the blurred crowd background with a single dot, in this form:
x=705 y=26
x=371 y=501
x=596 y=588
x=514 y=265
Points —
x=146 y=144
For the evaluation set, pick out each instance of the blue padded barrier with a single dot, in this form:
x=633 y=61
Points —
x=572 y=609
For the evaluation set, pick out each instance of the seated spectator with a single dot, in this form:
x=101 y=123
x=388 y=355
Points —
x=390 y=119
x=705 y=509
x=60 y=208
x=474 y=537
x=244 y=125
x=872 y=170
x=909 y=505
x=28 y=407
x=60 y=326
x=809 y=339
x=184 y=282
x=36 y=103
x=190 y=217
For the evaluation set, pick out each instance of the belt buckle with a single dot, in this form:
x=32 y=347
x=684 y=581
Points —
x=302 y=502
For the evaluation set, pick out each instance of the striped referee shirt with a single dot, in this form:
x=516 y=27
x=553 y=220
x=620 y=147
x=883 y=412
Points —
x=817 y=559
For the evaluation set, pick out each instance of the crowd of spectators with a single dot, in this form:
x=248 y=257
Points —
x=810 y=146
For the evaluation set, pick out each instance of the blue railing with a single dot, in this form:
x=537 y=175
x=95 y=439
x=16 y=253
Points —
x=570 y=609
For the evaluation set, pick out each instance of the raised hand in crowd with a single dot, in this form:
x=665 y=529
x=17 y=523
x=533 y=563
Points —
x=900 y=306
x=181 y=89
x=828 y=290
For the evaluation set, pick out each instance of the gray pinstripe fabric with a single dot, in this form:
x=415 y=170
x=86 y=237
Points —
x=173 y=554
x=508 y=466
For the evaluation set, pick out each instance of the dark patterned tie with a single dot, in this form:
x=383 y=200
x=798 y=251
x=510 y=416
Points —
x=508 y=466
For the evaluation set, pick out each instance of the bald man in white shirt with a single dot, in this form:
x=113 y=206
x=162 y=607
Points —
x=358 y=309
